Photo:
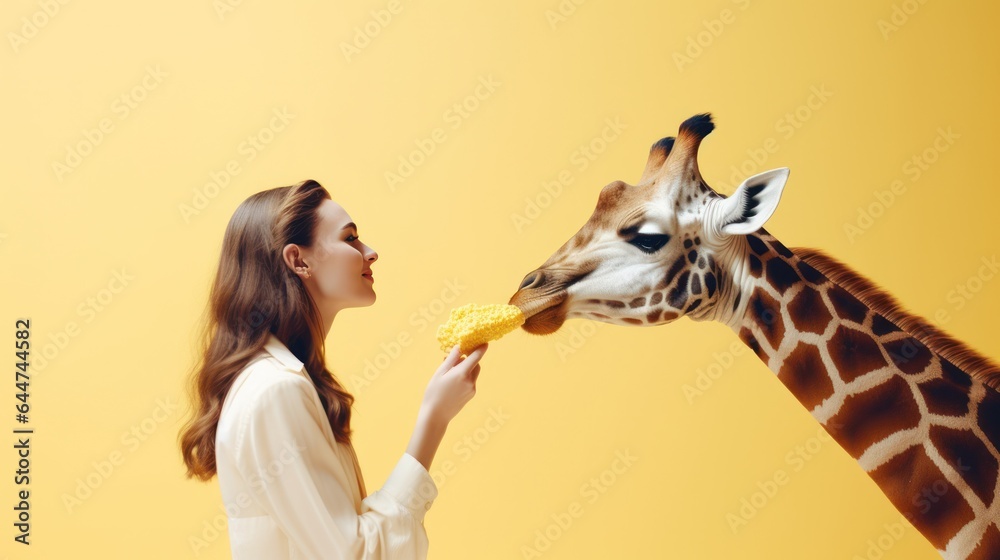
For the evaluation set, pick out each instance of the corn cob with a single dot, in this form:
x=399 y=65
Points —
x=471 y=325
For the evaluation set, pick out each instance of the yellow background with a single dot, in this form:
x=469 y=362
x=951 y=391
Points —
x=223 y=73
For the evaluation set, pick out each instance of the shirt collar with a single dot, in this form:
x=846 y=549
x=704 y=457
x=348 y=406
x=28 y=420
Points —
x=278 y=349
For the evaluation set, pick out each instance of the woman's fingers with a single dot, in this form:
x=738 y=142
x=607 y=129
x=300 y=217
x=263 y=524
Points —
x=473 y=358
x=471 y=362
x=450 y=360
x=460 y=366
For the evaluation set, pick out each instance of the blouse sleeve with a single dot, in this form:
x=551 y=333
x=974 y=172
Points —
x=298 y=479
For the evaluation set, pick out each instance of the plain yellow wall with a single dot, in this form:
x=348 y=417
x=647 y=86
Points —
x=131 y=132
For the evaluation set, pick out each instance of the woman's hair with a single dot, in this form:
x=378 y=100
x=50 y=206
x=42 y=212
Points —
x=254 y=295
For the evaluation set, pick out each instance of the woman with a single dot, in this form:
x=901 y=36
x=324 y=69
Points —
x=272 y=421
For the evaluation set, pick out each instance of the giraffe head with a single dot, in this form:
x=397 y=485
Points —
x=650 y=253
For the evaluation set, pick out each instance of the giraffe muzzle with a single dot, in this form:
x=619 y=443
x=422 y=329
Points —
x=541 y=297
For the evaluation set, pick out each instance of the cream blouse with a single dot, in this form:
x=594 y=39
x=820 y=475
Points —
x=291 y=491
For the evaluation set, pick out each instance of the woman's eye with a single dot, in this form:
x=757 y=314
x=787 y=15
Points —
x=351 y=238
x=651 y=242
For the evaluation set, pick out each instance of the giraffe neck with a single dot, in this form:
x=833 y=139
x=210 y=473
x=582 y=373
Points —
x=916 y=423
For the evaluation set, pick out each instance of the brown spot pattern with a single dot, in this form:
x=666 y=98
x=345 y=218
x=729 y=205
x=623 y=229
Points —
x=747 y=337
x=756 y=244
x=944 y=397
x=810 y=273
x=767 y=314
x=695 y=284
x=989 y=545
x=781 y=275
x=854 y=353
x=678 y=295
x=809 y=312
x=846 y=305
x=676 y=267
x=805 y=375
x=988 y=417
x=969 y=457
x=869 y=417
x=882 y=326
x=920 y=491
x=909 y=354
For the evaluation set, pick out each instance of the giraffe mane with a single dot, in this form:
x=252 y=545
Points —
x=883 y=303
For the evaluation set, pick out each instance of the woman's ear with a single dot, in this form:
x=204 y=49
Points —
x=292 y=257
x=753 y=202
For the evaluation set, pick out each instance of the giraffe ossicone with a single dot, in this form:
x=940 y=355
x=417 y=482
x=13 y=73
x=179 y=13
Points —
x=919 y=410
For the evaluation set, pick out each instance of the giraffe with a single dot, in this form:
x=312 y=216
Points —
x=919 y=410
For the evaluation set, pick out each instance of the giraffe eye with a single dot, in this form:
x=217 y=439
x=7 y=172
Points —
x=650 y=242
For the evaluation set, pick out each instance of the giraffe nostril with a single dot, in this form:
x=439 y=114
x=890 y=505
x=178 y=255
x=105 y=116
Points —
x=528 y=280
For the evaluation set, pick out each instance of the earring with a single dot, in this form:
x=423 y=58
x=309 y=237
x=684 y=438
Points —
x=304 y=271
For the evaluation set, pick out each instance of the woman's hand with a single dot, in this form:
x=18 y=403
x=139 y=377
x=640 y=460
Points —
x=452 y=385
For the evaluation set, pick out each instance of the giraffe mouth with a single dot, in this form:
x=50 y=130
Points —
x=546 y=321
x=542 y=315
x=544 y=296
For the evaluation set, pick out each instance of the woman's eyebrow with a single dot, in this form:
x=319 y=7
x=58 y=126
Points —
x=349 y=225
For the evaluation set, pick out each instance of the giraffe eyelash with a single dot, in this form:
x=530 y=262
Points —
x=649 y=242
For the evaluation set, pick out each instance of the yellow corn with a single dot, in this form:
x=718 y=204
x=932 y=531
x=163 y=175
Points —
x=471 y=325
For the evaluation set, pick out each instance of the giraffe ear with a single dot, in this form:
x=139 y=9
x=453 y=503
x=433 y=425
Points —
x=746 y=210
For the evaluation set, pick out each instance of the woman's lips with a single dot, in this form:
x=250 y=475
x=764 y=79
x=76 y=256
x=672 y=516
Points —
x=369 y=276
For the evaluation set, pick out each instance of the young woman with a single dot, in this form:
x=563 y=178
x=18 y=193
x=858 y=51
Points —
x=273 y=422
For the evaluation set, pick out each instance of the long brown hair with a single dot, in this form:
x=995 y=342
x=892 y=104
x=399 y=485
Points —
x=255 y=294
